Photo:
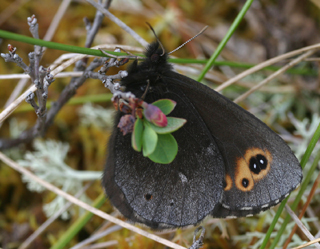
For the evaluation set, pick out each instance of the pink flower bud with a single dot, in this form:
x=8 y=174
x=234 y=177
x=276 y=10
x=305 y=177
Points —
x=155 y=115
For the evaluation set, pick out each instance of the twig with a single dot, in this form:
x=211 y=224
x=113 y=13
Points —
x=119 y=23
x=197 y=243
x=315 y=222
x=39 y=79
x=45 y=119
x=84 y=205
x=34 y=58
x=275 y=74
x=301 y=226
x=13 y=57
x=67 y=93
x=6 y=112
x=93 y=29
x=48 y=36
x=310 y=196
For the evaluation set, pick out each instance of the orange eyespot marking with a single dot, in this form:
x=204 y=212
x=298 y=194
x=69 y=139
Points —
x=252 y=167
x=227 y=184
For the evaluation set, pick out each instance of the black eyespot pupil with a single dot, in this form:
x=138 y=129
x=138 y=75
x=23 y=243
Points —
x=258 y=163
x=245 y=182
x=171 y=203
x=148 y=197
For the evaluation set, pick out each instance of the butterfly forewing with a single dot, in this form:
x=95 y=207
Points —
x=167 y=195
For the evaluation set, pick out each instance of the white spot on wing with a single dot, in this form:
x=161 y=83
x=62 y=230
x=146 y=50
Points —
x=225 y=206
x=246 y=208
x=210 y=150
x=183 y=178
x=231 y=217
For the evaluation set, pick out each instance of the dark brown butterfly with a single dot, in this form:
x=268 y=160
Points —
x=229 y=163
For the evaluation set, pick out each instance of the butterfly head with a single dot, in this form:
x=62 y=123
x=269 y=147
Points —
x=156 y=55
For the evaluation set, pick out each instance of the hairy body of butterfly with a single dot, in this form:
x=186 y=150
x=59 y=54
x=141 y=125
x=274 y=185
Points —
x=229 y=163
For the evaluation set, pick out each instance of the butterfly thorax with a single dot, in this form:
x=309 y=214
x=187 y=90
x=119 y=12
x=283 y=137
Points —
x=149 y=72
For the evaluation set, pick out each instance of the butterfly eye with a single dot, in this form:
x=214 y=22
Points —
x=154 y=57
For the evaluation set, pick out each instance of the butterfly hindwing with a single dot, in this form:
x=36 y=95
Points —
x=260 y=167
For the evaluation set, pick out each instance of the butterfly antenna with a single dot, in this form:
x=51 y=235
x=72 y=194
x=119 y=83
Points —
x=163 y=50
x=147 y=88
x=189 y=40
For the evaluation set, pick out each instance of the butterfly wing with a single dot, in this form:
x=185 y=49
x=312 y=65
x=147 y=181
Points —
x=166 y=195
x=260 y=169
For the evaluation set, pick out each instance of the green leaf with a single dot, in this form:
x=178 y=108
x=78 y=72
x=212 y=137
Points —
x=173 y=125
x=166 y=150
x=165 y=105
x=136 y=137
x=149 y=139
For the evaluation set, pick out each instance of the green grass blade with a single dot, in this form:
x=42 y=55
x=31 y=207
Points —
x=52 y=45
x=304 y=160
x=78 y=225
x=81 y=50
x=226 y=38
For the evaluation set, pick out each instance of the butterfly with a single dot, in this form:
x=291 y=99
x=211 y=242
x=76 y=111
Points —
x=229 y=164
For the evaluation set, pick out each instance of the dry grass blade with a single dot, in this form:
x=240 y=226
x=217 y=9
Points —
x=307 y=244
x=6 y=112
x=119 y=23
x=305 y=206
x=49 y=221
x=301 y=226
x=25 y=76
x=84 y=205
x=265 y=64
x=96 y=237
x=274 y=75
x=56 y=20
